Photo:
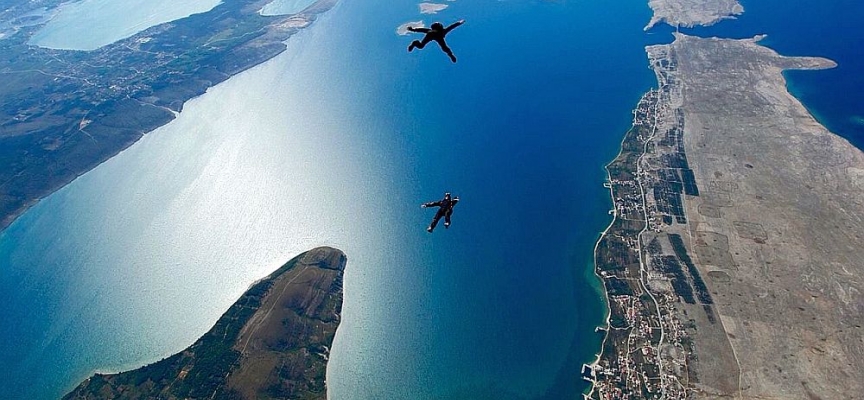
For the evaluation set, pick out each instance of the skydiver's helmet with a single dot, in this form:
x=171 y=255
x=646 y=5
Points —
x=447 y=195
x=437 y=26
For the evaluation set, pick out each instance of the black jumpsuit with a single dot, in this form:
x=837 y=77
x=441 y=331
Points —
x=446 y=210
x=436 y=35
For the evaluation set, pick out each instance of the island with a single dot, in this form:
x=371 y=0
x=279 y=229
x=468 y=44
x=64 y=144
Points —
x=732 y=266
x=64 y=112
x=431 y=8
x=689 y=13
x=402 y=30
x=274 y=342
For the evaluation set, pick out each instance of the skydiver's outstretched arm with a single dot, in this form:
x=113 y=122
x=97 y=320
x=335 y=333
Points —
x=431 y=204
x=453 y=26
x=418 y=30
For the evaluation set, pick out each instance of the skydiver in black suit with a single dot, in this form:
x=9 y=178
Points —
x=436 y=32
x=445 y=210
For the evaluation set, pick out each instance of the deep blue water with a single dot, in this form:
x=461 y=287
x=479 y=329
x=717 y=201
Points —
x=108 y=274
x=502 y=305
x=831 y=29
x=520 y=128
x=134 y=260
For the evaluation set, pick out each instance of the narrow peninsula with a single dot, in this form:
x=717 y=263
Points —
x=274 y=342
x=64 y=112
x=733 y=263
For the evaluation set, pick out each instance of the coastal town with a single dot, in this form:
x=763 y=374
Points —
x=738 y=286
x=642 y=256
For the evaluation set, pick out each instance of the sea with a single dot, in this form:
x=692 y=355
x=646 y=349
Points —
x=285 y=7
x=336 y=142
x=830 y=29
x=90 y=24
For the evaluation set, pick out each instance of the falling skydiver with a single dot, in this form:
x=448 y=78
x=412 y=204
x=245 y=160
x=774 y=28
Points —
x=445 y=210
x=436 y=32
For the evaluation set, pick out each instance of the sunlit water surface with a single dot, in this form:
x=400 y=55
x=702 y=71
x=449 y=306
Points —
x=282 y=7
x=336 y=142
x=90 y=24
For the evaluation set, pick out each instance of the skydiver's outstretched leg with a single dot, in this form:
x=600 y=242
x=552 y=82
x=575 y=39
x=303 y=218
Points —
x=446 y=49
x=447 y=220
x=418 y=44
x=434 y=223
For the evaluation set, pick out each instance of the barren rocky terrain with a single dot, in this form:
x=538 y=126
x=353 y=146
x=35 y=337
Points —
x=777 y=228
x=689 y=13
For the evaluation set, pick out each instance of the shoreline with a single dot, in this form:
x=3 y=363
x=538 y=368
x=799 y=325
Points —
x=640 y=323
x=691 y=13
x=218 y=361
x=793 y=173
x=675 y=323
x=277 y=267
x=607 y=184
x=705 y=13
x=255 y=51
